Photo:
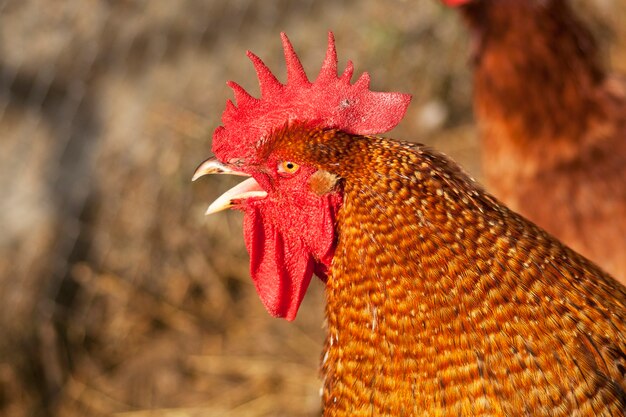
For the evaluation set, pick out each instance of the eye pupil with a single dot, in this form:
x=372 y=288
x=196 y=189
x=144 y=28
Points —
x=289 y=165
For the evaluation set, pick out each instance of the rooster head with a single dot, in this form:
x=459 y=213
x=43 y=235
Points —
x=290 y=207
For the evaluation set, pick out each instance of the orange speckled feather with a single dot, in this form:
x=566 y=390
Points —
x=441 y=301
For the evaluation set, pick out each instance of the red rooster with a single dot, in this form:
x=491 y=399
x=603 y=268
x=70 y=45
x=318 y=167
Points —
x=553 y=123
x=440 y=300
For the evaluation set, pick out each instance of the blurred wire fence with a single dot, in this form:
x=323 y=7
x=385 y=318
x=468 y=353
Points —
x=116 y=294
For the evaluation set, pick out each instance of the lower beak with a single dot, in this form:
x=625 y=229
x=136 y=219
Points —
x=244 y=190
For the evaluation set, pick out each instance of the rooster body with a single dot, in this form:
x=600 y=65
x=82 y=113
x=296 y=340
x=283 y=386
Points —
x=553 y=124
x=440 y=300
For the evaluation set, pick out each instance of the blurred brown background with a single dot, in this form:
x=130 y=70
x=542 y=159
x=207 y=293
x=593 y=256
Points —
x=117 y=295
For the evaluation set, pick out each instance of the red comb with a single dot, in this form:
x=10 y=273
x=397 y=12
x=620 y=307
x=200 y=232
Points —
x=330 y=101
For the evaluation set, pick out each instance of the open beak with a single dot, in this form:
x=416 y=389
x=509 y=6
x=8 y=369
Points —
x=246 y=189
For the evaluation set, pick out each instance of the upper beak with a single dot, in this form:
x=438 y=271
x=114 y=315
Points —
x=246 y=189
x=213 y=166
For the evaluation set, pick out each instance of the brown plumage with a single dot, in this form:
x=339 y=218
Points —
x=553 y=123
x=440 y=300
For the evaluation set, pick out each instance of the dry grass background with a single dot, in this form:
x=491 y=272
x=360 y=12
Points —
x=117 y=296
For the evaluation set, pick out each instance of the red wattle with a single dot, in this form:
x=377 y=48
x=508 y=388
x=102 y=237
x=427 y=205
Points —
x=281 y=269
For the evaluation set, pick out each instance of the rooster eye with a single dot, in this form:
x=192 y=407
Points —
x=288 y=167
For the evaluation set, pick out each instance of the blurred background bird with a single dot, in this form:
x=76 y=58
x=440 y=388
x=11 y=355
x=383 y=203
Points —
x=552 y=121
x=115 y=295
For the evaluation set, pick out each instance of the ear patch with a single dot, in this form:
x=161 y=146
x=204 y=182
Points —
x=323 y=182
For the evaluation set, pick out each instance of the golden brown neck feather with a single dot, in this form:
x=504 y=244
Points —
x=435 y=291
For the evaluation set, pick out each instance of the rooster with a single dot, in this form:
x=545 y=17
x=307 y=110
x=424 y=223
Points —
x=440 y=300
x=553 y=123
